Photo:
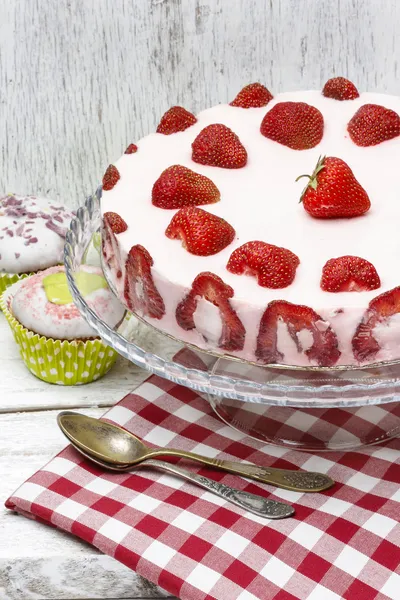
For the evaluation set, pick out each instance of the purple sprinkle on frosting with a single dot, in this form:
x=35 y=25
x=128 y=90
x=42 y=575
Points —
x=31 y=240
x=20 y=229
x=10 y=233
x=18 y=212
x=17 y=255
x=61 y=231
x=12 y=201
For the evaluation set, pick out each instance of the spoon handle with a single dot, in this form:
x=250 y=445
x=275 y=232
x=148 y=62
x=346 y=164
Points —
x=297 y=481
x=258 y=505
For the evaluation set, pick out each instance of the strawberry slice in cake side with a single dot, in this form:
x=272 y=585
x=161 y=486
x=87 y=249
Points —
x=211 y=288
x=322 y=349
x=140 y=292
x=380 y=311
x=112 y=225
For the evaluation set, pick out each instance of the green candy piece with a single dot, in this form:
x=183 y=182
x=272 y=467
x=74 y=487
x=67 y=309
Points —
x=97 y=240
x=57 y=291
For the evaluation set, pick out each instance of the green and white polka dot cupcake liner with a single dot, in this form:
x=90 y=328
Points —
x=7 y=279
x=61 y=362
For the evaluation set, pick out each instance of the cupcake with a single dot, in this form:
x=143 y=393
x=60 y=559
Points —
x=32 y=235
x=56 y=342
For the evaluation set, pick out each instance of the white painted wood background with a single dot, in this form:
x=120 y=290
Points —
x=80 y=79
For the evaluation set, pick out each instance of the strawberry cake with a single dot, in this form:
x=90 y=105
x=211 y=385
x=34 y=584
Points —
x=264 y=229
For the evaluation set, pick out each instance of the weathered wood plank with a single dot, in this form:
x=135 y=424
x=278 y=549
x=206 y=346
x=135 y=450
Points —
x=38 y=562
x=79 y=80
x=20 y=390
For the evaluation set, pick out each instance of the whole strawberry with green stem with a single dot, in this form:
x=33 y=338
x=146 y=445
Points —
x=333 y=191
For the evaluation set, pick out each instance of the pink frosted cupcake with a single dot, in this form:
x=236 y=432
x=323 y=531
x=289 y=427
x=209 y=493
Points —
x=56 y=342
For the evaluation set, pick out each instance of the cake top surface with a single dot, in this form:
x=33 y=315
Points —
x=43 y=304
x=261 y=201
x=32 y=233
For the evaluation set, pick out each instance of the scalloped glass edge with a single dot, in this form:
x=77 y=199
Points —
x=296 y=394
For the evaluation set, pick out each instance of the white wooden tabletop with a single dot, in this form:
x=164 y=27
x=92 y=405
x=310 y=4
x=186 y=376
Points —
x=39 y=562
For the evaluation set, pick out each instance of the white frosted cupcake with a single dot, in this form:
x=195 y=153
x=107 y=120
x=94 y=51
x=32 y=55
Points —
x=32 y=236
x=56 y=343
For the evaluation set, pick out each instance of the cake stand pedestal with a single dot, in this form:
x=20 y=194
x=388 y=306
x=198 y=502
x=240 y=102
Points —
x=306 y=409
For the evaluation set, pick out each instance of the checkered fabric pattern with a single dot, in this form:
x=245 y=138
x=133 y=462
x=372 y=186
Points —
x=314 y=427
x=341 y=544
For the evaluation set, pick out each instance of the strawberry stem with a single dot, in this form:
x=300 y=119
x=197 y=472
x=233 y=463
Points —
x=312 y=179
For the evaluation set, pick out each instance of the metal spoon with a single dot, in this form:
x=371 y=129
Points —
x=269 y=509
x=119 y=447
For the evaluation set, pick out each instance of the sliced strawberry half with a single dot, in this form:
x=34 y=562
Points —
x=201 y=232
x=175 y=119
x=218 y=146
x=179 y=186
x=324 y=350
x=349 y=274
x=297 y=125
x=253 y=95
x=380 y=309
x=373 y=124
x=107 y=245
x=340 y=88
x=131 y=149
x=274 y=267
x=213 y=289
x=140 y=292
x=115 y=222
x=110 y=178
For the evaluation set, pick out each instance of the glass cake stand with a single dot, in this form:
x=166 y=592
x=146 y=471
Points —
x=304 y=408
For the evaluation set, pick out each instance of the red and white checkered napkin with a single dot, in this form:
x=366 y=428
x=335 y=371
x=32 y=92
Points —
x=344 y=543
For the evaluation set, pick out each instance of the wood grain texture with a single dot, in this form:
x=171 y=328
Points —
x=38 y=562
x=80 y=80
x=20 y=390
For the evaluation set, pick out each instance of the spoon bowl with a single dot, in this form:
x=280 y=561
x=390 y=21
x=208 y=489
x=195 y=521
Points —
x=103 y=440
